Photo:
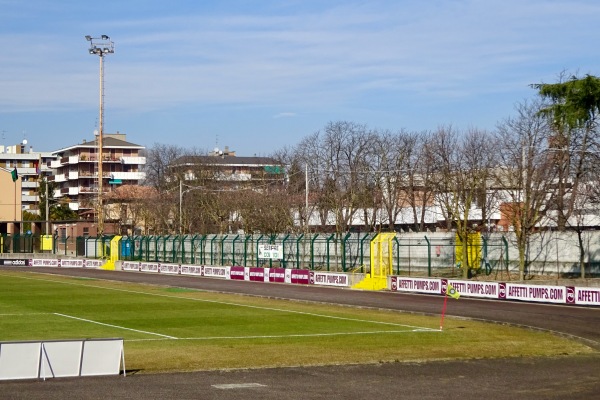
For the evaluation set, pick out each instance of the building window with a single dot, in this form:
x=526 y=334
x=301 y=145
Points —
x=86 y=231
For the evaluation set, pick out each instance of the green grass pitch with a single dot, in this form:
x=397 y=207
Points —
x=174 y=329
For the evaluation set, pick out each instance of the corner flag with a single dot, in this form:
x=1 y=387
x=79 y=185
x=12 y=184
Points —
x=450 y=291
x=14 y=175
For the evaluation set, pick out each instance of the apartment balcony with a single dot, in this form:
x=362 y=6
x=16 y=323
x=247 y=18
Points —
x=26 y=171
x=87 y=174
x=234 y=177
x=111 y=159
x=71 y=191
x=30 y=199
x=92 y=190
x=88 y=190
x=133 y=160
x=61 y=178
x=126 y=176
x=29 y=184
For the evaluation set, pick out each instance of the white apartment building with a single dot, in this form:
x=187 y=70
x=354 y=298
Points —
x=76 y=170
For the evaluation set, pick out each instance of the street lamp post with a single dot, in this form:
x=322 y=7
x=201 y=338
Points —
x=100 y=47
x=181 y=193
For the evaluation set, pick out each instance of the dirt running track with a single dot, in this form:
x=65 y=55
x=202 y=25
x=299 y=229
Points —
x=529 y=378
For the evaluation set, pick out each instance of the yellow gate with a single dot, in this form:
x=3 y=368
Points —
x=473 y=260
x=381 y=262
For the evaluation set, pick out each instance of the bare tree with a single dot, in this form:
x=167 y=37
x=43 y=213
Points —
x=419 y=191
x=159 y=159
x=389 y=154
x=463 y=166
x=525 y=171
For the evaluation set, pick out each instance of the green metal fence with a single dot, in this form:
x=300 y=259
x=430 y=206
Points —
x=418 y=255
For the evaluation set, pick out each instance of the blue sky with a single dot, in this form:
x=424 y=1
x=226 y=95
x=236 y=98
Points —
x=260 y=75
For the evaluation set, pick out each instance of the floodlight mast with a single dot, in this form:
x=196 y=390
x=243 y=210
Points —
x=100 y=47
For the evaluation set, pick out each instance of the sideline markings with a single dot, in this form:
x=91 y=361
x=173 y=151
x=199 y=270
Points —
x=23 y=314
x=113 y=326
x=420 y=328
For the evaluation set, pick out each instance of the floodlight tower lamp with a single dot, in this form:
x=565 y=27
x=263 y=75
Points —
x=100 y=47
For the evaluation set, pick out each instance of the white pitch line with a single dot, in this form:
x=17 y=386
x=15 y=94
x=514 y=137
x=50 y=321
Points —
x=23 y=314
x=115 y=326
x=236 y=304
x=290 y=336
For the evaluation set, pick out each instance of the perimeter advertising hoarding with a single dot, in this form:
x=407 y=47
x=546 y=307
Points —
x=277 y=275
x=299 y=276
x=329 y=279
x=583 y=295
x=15 y=262
x=488 y=290
x=417 y=285
x=70 y=263
x=586 y=296
x=238 y=273
x=256 y=274
x=130 y=266
x=44 y=262
x=195 y=270
x=538 y=293
x=169 y=269
x=216 y=272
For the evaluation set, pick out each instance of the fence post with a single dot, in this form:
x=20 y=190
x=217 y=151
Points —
x=182 y=248
x=257 y=244
x=428 y=256
x=248 y=237
x=328 y=239
x=174 y=247
x=203 y=248
x=223 y=250
x=145 y=248
x=193 y=249
x=362 y=253
x=283 y=252
x=233 y=249
x=507 y=261
x=298 y=264
x=312 y=251
x=397 y=255
x=344 y=240
x=212 y=251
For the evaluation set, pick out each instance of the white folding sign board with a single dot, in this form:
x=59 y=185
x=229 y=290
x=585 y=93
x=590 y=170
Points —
x=61 y=358
x=102 y=357
x=19 y=360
